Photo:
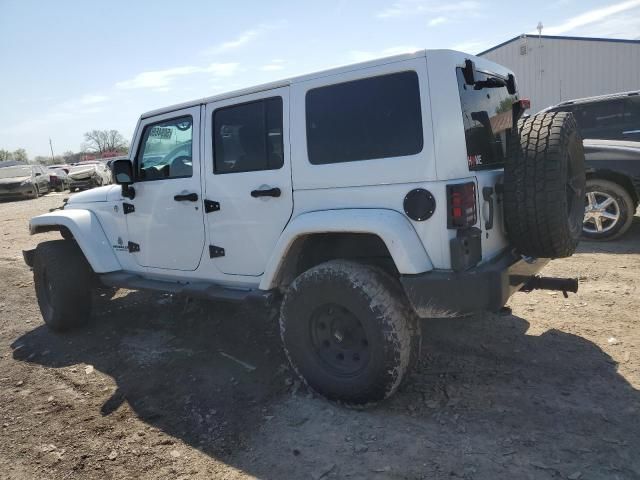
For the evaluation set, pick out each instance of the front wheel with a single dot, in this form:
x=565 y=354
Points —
x=608 y=211
x=348 y=331
x=62 y=279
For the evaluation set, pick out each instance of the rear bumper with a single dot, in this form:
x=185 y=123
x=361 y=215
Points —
x=485 y=288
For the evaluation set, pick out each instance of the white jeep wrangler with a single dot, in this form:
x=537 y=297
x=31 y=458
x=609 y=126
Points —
x=360 y=199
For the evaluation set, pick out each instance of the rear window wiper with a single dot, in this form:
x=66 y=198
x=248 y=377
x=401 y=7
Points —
x=469 y=73
x=490 y=82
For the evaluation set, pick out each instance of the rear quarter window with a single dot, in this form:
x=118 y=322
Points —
x=370 y=118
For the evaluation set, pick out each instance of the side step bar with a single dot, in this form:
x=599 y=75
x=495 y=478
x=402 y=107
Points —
x=193 y=289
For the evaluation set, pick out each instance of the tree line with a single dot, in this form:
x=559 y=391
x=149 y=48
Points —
x=97 y=144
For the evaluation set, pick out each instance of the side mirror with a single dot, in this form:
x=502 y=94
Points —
x=38 y=174
x=122 y=173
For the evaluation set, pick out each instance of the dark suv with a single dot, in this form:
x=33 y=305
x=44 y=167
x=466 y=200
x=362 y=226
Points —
x=610 y=126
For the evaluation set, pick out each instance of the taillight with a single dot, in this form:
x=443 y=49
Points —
x=461 y=205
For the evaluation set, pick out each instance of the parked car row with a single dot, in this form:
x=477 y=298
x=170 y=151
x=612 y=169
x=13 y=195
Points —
x=30 y=181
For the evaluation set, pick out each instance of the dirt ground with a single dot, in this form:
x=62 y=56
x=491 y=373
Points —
x=148 y=389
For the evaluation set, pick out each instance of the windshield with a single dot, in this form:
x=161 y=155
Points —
x=10 y=172
x=488 y=119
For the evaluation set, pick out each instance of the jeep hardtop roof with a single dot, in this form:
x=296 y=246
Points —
x=305 y=77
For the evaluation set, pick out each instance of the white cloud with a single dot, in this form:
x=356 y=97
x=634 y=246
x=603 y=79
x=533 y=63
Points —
x=364 y=55
x=93 y=99
x=160 y=80
x=434 y=22
x=242 y=40
x=275 y=64
x=406 y=8
x=472 y=46
x=595 y=16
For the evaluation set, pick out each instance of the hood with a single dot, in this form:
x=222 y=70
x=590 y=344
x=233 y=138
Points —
x=5 y=181
x=81 y=172
x=611 y=149
x=99 y=194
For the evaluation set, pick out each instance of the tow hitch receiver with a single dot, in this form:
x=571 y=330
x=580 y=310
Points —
x=563 y=285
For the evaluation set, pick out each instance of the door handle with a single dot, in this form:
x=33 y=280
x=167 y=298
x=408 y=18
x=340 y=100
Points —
x=269 y=192
x=187 y=197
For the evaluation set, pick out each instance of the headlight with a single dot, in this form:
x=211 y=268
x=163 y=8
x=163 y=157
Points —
x=26 y=182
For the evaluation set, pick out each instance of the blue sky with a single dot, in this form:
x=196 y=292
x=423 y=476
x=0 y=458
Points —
x=67 y=67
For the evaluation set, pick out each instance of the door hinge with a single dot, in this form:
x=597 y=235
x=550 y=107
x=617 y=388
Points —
x=215 y=251
x=133 y=247
x=128 y=208
x=211 y=206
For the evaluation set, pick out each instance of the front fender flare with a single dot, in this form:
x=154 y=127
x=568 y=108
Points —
x=87 y=232
x=392 y=227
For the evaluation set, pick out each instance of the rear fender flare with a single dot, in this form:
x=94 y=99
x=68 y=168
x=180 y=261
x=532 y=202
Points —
x=395 y=230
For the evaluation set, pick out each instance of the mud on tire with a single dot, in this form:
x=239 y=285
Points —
x=62 y=279
x=544 y=184
x=348 y=331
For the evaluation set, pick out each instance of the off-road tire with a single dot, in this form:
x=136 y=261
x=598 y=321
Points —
x=626 y=207
x=385 y=328
x=544 y=184
x=63 y=280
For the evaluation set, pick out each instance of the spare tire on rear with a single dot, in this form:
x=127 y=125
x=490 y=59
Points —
x=544 y=186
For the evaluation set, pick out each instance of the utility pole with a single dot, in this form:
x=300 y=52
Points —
x=51 y=147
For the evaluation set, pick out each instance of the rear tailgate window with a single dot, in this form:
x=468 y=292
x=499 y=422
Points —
x=488 y=121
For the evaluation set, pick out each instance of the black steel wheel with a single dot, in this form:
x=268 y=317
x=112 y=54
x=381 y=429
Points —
x=348 y=331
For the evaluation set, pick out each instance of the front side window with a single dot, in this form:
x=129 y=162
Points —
x=371 y=118
x=487 y=115
x=166 y=150
x=248 y=137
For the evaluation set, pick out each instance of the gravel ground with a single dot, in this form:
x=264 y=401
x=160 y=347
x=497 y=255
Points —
x=150 y=389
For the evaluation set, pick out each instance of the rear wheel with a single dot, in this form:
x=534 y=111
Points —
x=62 y=279
x=348 y=331
x=608 y=212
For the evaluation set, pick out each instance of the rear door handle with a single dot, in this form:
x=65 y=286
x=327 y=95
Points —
x=269 y=192
x=187 y=197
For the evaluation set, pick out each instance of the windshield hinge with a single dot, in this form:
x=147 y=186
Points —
x=211 y=206
x=128 y=208
x=215 y=251
x=133 y=247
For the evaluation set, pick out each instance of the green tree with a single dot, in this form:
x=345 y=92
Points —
x=5 y=155
x=20 y=155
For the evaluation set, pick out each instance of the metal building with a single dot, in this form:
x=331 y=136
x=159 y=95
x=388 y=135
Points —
x=551 y=69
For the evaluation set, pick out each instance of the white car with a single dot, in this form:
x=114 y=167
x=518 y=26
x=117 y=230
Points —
x=89 y=174
x=358 y=199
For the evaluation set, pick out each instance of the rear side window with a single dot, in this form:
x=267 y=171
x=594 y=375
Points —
x=488 y=119
x=376 y=117
x=248 y=137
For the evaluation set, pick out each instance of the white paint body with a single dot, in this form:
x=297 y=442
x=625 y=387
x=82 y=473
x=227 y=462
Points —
x=358 y=197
